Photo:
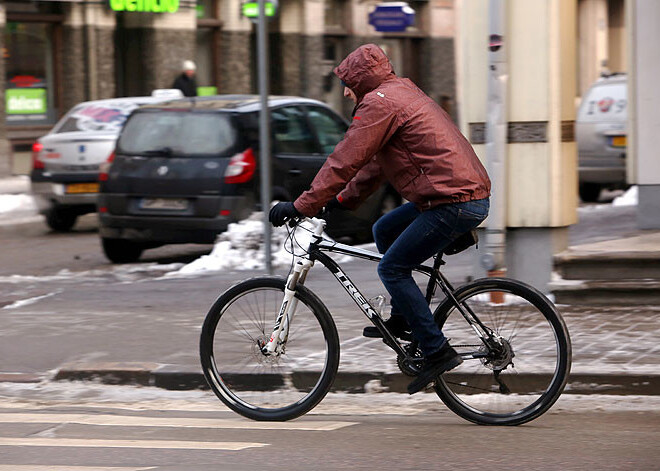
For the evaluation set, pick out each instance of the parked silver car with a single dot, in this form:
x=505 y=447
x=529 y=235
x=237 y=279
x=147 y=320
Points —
x=601 y=137
x=65 y=162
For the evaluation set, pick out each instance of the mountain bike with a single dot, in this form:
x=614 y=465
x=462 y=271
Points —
x=270 y=350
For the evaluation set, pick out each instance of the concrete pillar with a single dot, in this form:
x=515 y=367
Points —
x=593 y=41
x=236 y=52
x=88 y=42
x=643 y=104
x=5 y=147
x=541 y=152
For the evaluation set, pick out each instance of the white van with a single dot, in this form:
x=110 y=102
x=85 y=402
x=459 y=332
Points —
x=600 y=131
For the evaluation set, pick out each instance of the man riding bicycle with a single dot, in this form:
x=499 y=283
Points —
x=401 y=135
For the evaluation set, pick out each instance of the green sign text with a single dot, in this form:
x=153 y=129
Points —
x=251 y=9
x=152 y=6
x=25 y=100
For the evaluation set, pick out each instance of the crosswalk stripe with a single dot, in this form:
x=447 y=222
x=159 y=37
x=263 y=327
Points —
x=187 y=422
x=94 y=443
x=31 y=467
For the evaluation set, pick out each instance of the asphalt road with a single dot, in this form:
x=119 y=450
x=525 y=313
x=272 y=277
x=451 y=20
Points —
x=87 y=427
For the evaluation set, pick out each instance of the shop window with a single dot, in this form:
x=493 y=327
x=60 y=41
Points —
x=207 y=47
x=29 y=89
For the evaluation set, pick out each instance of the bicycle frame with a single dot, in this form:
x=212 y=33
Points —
x=315 y=251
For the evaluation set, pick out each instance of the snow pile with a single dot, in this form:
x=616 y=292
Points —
x=21 y=203
x=241 y=248
x=629 y=198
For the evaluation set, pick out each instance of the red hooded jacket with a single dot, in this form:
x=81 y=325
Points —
x=398 y=134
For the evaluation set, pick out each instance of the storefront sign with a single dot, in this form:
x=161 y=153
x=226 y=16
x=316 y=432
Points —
x=207 y=91
x=392 y=17
x=26 y=101
x=251 y=9
x=148 y=6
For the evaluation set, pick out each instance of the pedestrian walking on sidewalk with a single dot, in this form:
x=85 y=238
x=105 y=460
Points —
x=186 y=80
x=401 y=135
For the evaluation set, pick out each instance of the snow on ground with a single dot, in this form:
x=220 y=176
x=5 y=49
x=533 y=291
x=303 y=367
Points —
x=21 y=203
x=241 y=248
x=629 y=198
x=89 y=395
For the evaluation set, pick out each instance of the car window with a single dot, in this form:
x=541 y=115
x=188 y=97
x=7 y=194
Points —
x=291 y=134
x=178 y=134
x=329 y=128
x=105 y=117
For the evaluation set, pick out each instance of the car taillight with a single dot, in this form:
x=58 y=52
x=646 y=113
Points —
x=37 y=164
x=104 y=168
x=241 y=167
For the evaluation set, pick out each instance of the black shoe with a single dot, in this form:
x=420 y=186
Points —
x=440 y=362
x=397 y=325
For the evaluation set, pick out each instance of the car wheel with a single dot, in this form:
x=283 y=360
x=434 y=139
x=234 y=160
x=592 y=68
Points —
x=589 y=192
x=121 y=251
x=60 y=220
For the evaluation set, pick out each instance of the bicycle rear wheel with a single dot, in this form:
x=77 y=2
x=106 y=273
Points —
x=275 y=387
x=526 y=377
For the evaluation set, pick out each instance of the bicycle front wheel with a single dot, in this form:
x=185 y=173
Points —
x=276 y=387
x=525 y=377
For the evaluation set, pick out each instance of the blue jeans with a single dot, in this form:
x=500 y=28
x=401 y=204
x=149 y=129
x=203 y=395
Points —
x=407 y=237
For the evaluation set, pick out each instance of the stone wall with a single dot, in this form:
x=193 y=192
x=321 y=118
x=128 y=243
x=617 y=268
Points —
x=105 y=63
x=5 y=151
x=438 y=71
x=74 y=69
x=235 y=62
x=163 y=52
x=312 y=67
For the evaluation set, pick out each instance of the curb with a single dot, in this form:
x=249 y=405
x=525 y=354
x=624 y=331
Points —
x=180 y=378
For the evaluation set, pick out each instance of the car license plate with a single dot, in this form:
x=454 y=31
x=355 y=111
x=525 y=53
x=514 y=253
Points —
x=82 y=188
x=164 y=203
x=618 y=141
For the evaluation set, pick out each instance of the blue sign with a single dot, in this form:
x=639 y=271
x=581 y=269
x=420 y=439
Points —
x=392 y=17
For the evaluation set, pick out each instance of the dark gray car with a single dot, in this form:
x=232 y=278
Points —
x=184 y=170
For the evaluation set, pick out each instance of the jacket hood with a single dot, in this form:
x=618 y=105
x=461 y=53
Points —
x=365 y=69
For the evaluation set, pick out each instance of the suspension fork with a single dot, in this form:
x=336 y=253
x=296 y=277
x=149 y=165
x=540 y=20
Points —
x=288 y=307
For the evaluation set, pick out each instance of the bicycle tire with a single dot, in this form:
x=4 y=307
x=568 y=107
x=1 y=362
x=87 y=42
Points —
x=294 y=388
x=468 y=388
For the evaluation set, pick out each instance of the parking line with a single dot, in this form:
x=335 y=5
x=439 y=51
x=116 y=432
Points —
x=147 y=444
x=32 y=467
x=179 y=422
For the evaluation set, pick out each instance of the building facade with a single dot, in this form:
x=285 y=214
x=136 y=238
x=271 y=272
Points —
x=59 y=53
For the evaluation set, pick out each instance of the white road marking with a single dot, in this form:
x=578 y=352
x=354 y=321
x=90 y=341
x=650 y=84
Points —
x=185 y=422
x=31 y=467
x=95 y=443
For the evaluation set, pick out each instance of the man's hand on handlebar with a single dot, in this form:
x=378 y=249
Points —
x=283 y=212
x=330 y=206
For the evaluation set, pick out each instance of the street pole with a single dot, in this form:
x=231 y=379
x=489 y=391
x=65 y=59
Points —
x=496 y=139
x=264 y=130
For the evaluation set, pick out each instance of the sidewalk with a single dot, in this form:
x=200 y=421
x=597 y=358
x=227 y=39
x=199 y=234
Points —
x=616 y=349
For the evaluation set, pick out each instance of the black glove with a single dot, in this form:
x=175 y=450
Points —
x=333 y=204
x=282 y=212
